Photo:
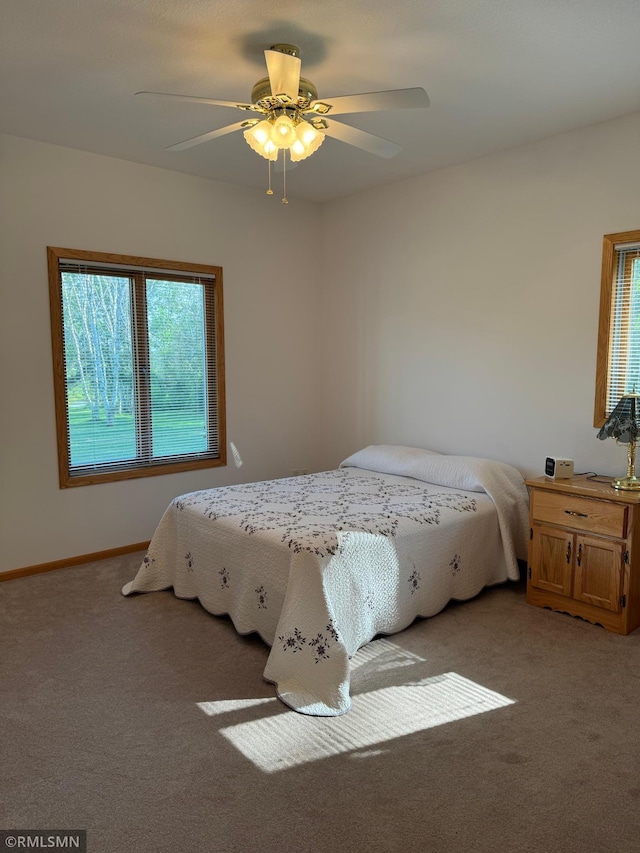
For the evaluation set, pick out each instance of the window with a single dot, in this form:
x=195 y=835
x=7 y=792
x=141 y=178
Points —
x=138 y=355
x=618 y=358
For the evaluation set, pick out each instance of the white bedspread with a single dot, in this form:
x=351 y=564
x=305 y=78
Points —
x=318 y=565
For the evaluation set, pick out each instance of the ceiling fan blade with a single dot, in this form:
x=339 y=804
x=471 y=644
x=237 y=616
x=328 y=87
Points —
x=212 y=134
x=197 y=100
x=393 y=99
x=361 y=139
x=284 y=73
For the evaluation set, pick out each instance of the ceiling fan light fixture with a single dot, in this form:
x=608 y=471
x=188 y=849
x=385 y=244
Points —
x=270 y=135
x=259 y=139
x=283 y=132
x=307 y=141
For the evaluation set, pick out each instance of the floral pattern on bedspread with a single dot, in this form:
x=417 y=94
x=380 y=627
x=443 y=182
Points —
x=309 y=523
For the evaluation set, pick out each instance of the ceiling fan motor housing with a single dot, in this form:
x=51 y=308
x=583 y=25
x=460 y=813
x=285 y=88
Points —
x=291 y=49
x=262 y=89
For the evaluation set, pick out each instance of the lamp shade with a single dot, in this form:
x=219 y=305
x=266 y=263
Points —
x=283 y=132
x=259 y=138
x=623 y=423
x=308 y=140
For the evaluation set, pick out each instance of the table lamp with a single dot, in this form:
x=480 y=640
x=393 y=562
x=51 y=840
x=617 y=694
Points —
x=623 y=424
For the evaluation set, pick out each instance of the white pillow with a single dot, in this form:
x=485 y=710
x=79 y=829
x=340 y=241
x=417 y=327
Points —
x=378 y=457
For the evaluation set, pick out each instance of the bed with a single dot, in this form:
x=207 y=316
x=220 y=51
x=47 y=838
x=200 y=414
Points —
x=318 y=565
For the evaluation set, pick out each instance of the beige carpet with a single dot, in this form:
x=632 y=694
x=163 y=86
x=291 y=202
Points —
x=493 y=726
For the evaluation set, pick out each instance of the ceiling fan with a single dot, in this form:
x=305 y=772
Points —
x=291 y=117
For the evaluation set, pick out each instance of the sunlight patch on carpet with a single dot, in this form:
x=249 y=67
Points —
x=287 y=740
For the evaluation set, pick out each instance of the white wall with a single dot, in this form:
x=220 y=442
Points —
x=463 y=306
x=61 y=197
x=457 y=311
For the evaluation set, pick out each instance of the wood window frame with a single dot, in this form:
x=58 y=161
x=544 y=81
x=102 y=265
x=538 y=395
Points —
x=606 y=318
x=214 y=343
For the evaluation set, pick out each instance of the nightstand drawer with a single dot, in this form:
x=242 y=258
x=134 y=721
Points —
x=608 y=519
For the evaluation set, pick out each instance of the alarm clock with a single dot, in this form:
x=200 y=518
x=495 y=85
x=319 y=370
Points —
x=557 y=468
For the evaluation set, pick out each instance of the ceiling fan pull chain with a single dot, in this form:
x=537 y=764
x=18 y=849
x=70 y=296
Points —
x=269 y=190
x=284 y=178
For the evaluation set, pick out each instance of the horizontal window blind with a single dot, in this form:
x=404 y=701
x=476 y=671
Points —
x=624 y=345
x=141 y=368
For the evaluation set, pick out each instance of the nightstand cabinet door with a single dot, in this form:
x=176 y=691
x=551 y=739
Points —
x=599 y=572
x=552 y=559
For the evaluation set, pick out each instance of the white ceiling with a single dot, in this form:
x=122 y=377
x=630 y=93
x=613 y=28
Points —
x=499 y=73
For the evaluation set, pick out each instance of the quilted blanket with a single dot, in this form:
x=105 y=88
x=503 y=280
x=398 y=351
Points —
x=318 y=565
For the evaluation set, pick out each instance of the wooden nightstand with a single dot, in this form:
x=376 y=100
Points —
x=584 y=551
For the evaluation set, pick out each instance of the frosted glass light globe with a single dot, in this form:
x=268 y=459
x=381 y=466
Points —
x=283 y=132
